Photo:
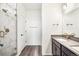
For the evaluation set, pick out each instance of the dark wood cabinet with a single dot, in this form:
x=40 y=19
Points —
x=59 y=50
x=56 y=48
x=67 y=51
x=64 y=54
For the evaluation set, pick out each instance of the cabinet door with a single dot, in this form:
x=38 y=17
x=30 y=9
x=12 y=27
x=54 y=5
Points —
x=68 y=52
x=56 y=50
x=64 y=54
x=53 y=50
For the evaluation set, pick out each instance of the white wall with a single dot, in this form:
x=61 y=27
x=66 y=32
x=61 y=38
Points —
x=33 y=25
x=71 y=18
x=21 y=16
x=51 y=14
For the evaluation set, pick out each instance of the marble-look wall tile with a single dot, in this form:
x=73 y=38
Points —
x=9 y=39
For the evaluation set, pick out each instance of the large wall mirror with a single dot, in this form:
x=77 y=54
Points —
x=71 y=18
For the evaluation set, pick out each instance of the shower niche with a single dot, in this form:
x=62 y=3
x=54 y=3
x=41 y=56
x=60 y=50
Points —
x=8 y=39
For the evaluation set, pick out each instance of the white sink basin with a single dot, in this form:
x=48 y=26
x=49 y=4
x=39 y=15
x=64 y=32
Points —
x=74 y=45
x=76 y=48
x=61 y=39
x=69 y=42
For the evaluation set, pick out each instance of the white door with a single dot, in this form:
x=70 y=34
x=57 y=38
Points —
x=33 y=27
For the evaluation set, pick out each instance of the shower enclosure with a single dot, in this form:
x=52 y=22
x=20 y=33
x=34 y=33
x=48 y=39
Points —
x=20 y=25
x=8 y=33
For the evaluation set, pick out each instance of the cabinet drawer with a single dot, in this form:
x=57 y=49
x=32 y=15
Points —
x=67 y=51
x=55 y=42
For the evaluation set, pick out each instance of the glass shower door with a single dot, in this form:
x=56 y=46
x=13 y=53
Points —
x=8 y=39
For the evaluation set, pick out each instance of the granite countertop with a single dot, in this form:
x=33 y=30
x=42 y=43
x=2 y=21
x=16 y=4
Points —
x=68 y=43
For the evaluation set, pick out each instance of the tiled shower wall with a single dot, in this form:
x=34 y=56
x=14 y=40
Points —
x=8 y=40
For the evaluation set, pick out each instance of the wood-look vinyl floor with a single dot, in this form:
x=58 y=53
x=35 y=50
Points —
x=32 y=51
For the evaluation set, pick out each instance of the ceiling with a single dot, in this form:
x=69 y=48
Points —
x=12 y=5
x=32 y=6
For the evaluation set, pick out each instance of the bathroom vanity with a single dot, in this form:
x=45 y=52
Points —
x=62 y=46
